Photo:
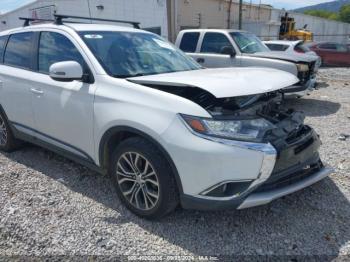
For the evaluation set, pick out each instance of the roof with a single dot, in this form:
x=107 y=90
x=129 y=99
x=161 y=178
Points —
x=213 y=30
x=75 y=26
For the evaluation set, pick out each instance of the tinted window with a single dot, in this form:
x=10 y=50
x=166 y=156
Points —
x=342 y=48
x=189 y=42
x=301 y=48
x=214 y=43
x=328 y=46
x=2 y=45
x=18 y=50
x=276 y=47
x=53 y=48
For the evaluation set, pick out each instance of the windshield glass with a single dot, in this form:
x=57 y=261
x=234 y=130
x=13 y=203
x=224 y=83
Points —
x=127 y=54
x=249 y=43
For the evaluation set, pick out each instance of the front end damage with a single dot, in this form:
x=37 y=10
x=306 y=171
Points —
x=290 y=147
x=296 y=143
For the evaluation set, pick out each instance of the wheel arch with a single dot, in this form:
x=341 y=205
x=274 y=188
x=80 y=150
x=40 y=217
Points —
x=115 y=135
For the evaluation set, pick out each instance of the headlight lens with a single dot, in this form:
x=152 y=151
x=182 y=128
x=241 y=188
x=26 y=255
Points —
x=302 y=67
x=246 y=130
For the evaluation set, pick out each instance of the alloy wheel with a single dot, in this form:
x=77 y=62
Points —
x=3 y=132
x=138 y=180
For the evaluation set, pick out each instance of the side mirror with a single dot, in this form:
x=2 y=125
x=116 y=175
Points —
x=66 y=71
x=228 y=50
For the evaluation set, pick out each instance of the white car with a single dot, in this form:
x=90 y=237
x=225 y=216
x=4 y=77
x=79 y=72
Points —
x=127 y=103
x=292 y=47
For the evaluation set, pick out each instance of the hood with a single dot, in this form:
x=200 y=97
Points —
x=280 y=55
x=224 y=82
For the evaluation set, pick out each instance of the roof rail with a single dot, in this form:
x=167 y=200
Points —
x=59 y=20
x=28 y=20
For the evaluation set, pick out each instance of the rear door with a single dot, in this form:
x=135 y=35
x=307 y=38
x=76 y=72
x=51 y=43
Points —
x=210 y=51
x=16 y=80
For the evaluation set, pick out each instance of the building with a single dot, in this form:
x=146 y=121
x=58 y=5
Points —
x=151 y=13
x=168 y=17
x=262 y=20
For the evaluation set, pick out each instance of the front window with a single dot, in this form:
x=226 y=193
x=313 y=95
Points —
x=249 y=43
x=53 y=48
x=127 y=54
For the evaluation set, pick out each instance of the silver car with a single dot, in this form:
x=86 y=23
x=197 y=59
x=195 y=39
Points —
x=215 y=48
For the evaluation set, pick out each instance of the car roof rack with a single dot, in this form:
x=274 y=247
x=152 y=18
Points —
x=28 y=20
x=59 y=20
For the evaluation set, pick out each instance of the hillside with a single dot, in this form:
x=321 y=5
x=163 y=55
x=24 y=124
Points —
x=333 y=6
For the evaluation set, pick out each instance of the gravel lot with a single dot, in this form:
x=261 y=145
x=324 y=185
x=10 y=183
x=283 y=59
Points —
x=51 y=206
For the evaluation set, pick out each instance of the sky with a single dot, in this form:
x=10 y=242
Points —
x=289 y=4
x=8 y=5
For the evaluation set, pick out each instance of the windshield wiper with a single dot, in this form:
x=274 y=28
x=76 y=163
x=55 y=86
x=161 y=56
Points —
x=127 y=76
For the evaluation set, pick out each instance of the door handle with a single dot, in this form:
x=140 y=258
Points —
x=200 y=60
x=37 y=91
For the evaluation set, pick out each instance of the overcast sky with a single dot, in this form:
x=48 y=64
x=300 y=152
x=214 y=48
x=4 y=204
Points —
x=8 y=5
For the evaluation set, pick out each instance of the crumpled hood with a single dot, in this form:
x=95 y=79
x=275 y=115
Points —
x=295 y=58
x=224 y=82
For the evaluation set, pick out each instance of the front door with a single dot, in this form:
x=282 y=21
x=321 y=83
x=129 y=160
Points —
x=63 y=111
x=211 y=50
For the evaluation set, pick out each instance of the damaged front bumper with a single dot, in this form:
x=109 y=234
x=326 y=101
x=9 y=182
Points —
x=265 y=197
x=300 y=90
x=286 y=168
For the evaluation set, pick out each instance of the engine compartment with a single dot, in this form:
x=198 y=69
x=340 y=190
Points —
x=288 y=124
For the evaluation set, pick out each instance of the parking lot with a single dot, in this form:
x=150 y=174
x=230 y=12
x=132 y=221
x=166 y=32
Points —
x=51 y=206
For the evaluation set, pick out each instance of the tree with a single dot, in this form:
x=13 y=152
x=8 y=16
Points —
x=344 y=14
x=323 y=14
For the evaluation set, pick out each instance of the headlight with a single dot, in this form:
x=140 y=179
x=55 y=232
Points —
x=302 y=68
x=246 y=130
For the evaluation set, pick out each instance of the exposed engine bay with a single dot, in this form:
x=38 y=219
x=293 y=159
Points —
x=288 y=124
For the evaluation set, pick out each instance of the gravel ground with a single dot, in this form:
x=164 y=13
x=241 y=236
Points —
x=51 y=206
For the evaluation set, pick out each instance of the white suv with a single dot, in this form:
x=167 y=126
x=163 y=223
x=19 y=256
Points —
x=127 y=103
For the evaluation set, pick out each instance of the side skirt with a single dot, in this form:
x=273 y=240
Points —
x=60 y=151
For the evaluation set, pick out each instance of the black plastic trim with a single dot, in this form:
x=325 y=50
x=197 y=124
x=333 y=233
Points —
x=114 y=130
x=14 y=124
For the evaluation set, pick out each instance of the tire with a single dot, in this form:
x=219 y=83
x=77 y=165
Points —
x=8 y=142
x=148 y=190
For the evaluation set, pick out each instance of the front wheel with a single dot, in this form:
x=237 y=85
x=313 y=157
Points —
x=143 y=179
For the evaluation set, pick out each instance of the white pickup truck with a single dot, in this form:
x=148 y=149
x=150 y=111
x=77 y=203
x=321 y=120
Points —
x=217 y=48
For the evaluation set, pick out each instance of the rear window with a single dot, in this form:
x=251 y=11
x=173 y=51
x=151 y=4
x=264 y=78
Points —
x=18 y=50
x=301 y=48
x=277 y=47
x=189 y=42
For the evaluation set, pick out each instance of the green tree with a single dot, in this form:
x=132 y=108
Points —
x=323 y=14
x=344 y=14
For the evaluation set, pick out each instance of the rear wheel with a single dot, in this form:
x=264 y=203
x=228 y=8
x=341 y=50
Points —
x=143 y=179
x=8 y=142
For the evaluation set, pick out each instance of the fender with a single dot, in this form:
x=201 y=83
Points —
x=118 y=129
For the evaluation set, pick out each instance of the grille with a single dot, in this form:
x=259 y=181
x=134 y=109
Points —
x=289 y=179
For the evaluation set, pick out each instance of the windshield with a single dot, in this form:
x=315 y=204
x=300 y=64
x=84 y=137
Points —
x=128 y=54
x=249 y=43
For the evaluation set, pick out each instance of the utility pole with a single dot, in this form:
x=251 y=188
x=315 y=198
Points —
x=229 y=15
x=240 y=14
